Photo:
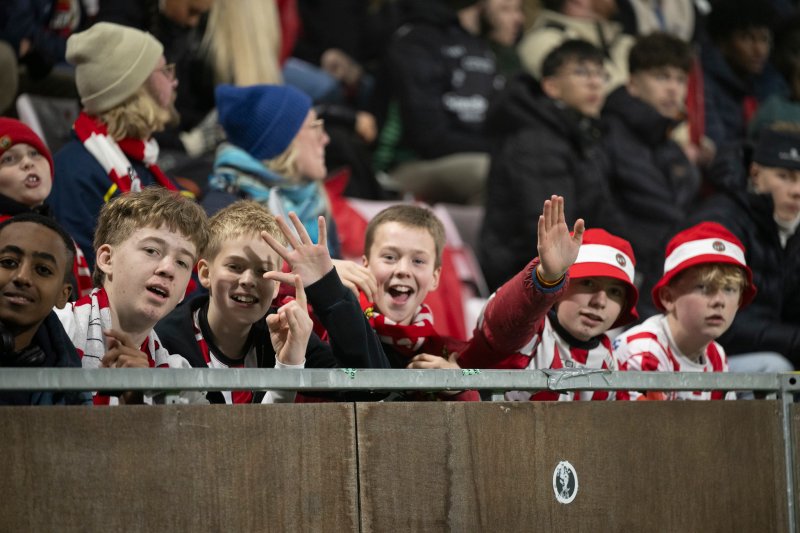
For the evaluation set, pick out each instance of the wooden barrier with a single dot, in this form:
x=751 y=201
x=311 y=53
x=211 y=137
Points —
x=178 y=468
x=657 y=466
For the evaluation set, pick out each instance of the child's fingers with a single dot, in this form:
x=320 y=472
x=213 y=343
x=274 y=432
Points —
x=301 y=230
x=580 y=227
x=275 y=245
x=122 y=338
x=287 y=278
x=547 y=210
x=300 y=293
x=287 y=231
x=559 y=209
x=323 y=231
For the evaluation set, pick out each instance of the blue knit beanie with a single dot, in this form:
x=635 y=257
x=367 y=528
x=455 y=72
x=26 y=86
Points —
x=261 y=119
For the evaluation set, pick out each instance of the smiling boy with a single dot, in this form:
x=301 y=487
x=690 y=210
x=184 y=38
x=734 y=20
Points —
x=554 y=314
x=35 y=256
x=234 y=325
x=146 y=244
x=706 y=280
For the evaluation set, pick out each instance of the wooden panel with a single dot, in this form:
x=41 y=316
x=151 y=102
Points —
x=179 y=468
x=654 y=466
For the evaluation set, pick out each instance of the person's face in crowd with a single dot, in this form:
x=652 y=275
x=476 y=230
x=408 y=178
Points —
x=186 y=13
x=505 y=20
x=579 y=85
x=664 y=88
x=146 y=275
x=699 y=312
x=403 y=261
x=33 y=268
x=590 y=306
x=162 y=84
x=310 y=144
x=239 y=295
x=784 y=186
x=748 y=50
x=25 y=175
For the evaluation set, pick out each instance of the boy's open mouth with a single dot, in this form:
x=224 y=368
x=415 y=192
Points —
x=31 y=180
x=400 y=293
x=244 y=298
x=161 y=292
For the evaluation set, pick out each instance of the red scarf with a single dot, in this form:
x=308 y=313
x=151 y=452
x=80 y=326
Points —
x=408 y=340
x=113 y=156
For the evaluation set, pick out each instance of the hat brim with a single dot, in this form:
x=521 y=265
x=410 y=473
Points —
x=705 y=259
x=602 y=270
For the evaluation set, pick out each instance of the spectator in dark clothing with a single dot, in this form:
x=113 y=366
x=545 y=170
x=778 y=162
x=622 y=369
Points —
x=764 y=213
x=36 y=32
x=34 y=276
x=547 y=144
x=441 y=77
x=735 y=69
x=653 y=182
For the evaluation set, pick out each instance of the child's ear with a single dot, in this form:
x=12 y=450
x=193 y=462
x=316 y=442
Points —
x=364 y=261
x=436 y=274
x=755 y=177
x=667 y=298
x=63 y=296
x=551 y=88
x=103 y=258
x=203 y=270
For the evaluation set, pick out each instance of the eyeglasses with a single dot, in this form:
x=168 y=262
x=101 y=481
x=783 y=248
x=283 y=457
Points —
x=586 y=73
x=168 y=70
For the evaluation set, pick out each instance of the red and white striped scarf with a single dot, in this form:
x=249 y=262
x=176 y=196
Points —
x=113 y=156
x=407 y=339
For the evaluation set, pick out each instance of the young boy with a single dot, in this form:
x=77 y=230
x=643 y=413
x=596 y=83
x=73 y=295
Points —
x=226 y=328
x=146 y=244
x=705 y=281
x=35 y=256
x=654 y=183
x=26 y=178
x=403 y=250
x=548 y=144
x=555 y=313
x=764 y=213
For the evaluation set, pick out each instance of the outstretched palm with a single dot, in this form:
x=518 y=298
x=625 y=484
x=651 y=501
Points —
x=557 y=248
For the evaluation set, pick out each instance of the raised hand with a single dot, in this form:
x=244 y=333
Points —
x=357 y=278
x=557 y=248
x=308 y=260
x=290 y=327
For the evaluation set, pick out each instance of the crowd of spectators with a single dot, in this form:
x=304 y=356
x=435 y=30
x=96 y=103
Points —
x=641 y=119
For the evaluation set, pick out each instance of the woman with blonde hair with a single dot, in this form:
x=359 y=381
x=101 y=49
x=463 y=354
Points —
x=128 y=93
x=276 y=155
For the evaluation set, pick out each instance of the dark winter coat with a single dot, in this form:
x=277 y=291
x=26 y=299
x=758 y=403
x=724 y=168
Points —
x=653 y=183
x=541 y=149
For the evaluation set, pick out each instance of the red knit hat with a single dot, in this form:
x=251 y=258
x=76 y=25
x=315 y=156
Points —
x=605 y=255
x=15 y=132
x=705 y=243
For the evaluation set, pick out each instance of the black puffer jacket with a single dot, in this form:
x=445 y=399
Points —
x=653 y=182
x=542 y=149
x=772 y=321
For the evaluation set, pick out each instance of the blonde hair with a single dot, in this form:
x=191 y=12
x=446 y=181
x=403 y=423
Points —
x=242 y=41
x=285 y=164
x=152 y=207
x=715 y=275
x=412 y=216
x=138 y=117
x=244 y=217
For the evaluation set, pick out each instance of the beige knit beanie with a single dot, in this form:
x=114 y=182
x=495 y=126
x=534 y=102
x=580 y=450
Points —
x=111 y=63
